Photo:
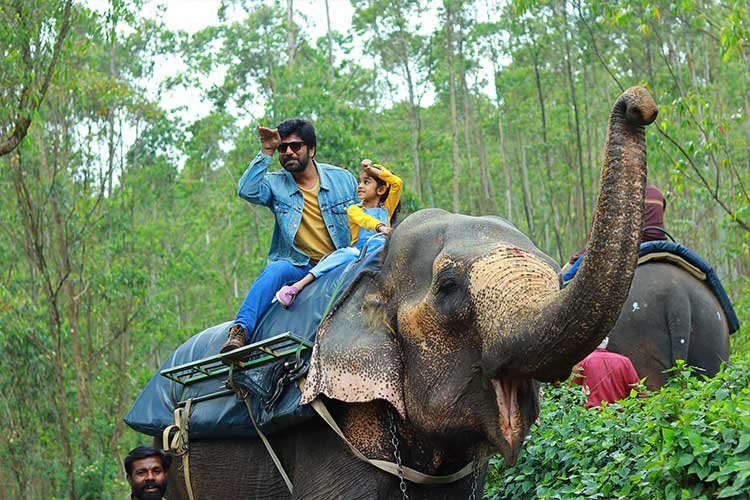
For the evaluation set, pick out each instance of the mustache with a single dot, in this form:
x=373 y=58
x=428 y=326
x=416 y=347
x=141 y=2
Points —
x=151 y=484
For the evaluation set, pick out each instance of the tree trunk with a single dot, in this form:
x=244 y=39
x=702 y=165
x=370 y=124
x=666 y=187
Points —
x=474 y=142
x=547 y=161
x=110 y=112
x=430 y=194
x=124 y=354
x=574 y=102
x=454 y=113
x=35 y=244
x=31 y=97
x=291 y=34
x=415 y=120
x=329 y=43
x=469 y=144
x=488 y=189
x=527 y=202
x=501 y=145
x=587 y=120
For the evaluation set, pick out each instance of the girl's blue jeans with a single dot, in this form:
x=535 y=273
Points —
x=261 y=293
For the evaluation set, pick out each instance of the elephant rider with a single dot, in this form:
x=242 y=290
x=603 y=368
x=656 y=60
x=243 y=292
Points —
x=653 y=228
x=146 y=469
x=309 y=201
x=608 y=376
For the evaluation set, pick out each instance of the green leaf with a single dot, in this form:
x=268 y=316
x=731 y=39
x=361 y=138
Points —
x=685 y=460
x=743 y=445
x=728 y=491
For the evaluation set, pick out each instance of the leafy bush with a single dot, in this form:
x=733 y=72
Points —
x=740 y=340
x=690 y=440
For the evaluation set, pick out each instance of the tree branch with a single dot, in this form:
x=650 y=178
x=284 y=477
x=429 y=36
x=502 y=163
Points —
x=23 y=122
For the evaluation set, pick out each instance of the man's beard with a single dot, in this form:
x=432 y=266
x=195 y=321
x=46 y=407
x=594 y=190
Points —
x=140 y=493
x=299 y=166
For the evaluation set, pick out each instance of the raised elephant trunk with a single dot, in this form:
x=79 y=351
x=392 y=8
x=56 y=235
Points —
x=570 y=323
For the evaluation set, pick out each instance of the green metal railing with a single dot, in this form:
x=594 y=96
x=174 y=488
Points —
x=244 y=358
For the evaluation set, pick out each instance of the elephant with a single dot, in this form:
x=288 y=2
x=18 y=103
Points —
x=670 y=314
x=434 y=362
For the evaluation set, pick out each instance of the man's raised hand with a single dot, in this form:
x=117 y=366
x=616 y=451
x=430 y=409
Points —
x=269 y=139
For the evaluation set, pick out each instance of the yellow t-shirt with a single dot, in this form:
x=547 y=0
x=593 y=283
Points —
x=312 y=238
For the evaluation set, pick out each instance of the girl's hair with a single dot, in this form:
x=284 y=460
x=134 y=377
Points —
x=384 y=196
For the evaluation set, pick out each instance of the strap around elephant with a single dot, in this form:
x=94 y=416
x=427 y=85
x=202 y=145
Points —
x=178 y=443
x=244 y=396
x=391 y=468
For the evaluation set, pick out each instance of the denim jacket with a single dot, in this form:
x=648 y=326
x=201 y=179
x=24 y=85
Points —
x=279 y=192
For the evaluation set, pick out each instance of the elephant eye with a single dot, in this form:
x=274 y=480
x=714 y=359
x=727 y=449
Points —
x=447 y=286
x=449 y=290
x=450 y=298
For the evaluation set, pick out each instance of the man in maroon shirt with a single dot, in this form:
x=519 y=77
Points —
x=653 y=214
x=607 y=376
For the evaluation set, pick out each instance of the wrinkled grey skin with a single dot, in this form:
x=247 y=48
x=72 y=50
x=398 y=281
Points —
x=450 y=338
x=670 y=315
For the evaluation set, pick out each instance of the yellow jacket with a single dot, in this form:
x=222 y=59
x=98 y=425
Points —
x=357 y=216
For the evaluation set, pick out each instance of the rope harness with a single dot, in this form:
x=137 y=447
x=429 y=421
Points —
x=243 y=394
x=175 y=440
x=178 y=444
x=396 y=469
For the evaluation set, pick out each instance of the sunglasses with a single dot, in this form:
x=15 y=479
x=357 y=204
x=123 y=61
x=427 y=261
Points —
x=295 y=146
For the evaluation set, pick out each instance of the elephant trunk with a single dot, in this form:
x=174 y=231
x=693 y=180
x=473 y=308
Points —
x=568 y=324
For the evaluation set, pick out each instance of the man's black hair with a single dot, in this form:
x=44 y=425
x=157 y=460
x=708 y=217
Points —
x=145 y=452
x=302 y=128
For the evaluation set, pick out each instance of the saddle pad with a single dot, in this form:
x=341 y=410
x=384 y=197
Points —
x=674 y=259
x=226 y=417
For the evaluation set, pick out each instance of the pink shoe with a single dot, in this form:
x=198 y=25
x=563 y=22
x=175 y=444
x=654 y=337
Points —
x=286 y=295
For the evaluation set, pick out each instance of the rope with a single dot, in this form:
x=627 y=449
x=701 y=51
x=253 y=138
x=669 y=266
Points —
x=178 y=444
x=243 y=395
x=391 y=468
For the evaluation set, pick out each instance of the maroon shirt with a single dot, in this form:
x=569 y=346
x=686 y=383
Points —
x=608 y=375
x=653 y=214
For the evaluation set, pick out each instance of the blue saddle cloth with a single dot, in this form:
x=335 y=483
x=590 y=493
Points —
x=712 y=279
x=227 y=417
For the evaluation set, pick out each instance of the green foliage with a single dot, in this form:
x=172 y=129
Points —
x=32 y=36
x=689 y=440
x=740 y=340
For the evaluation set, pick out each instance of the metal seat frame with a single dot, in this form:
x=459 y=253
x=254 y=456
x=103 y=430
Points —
x=245 y=358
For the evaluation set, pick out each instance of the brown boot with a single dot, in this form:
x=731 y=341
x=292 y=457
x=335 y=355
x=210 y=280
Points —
x=235 y=339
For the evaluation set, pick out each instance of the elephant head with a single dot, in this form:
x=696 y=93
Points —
x=467 y=314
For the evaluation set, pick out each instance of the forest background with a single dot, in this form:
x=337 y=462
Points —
x=122 y=234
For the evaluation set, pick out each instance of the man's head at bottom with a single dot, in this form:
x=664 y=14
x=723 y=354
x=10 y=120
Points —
x=146 y=468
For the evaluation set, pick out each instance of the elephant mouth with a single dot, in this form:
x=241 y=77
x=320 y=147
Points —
x=510 y=419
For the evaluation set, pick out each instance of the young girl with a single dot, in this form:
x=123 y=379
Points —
x=379 y=191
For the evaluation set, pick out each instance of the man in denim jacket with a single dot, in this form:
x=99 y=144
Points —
x=309 y=201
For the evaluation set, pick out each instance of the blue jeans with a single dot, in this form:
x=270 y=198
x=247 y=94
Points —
x=344 y=256
x=258 y=298
x=340 y=257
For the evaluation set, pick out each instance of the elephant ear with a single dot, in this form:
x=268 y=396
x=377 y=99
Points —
x=356 y=357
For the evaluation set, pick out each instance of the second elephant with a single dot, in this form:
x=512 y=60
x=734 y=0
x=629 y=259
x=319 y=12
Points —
x=669 y=315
